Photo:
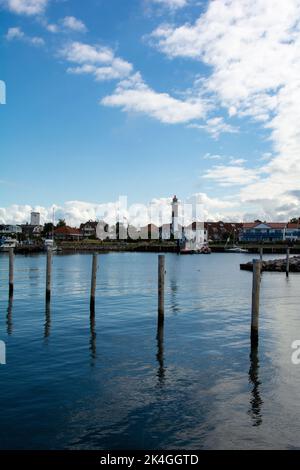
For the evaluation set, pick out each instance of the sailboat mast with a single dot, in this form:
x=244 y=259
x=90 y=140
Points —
x=53 y=221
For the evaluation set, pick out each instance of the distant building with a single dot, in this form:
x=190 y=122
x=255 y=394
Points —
x=10 y=229
x=35 y=218
x=149 y=232
x=31 y=231
x=263 y=232
x=221 y=231
x=89 y=229
x=68 y=234
x=167 y=232
x=292 y=232
x=197 y=232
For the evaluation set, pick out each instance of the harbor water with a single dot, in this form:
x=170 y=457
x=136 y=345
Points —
x=116 y=381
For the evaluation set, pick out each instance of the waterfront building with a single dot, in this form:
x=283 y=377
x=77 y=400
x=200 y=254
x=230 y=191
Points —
x=89 y=229
x=31 y=231
x=259 y=232
x=68 y=234
x=35 y=218
x=10 y=229
x=197 y=232
x=292 y=232
x=221 y=231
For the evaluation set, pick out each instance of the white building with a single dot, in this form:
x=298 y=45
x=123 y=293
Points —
x=10 y=229
x=35 y=218
x=175 y=225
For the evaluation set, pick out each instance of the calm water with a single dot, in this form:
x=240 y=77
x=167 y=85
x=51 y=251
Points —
x=115 y=382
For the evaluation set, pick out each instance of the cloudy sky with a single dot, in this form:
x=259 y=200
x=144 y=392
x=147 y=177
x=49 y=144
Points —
x=150 y=98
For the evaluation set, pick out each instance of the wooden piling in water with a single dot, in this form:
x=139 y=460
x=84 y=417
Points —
x=93 y=282
x=261 y=253
x=161 y=285
x=255 y=300
x=11 y=272
x=48 y=274
x=287 y=270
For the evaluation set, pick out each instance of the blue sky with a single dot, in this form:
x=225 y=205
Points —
x=154 y=117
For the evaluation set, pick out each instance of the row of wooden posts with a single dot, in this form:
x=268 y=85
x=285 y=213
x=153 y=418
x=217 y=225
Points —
x=257 y=271
x=161 y=279
x=287 y=269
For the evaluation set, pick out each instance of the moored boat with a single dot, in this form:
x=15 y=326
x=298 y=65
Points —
x=7 y=243
x=236 y=249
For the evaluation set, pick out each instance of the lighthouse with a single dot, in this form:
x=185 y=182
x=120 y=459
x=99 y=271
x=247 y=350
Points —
x=174 y=226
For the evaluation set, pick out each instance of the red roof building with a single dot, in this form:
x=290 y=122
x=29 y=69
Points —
x=67 y=233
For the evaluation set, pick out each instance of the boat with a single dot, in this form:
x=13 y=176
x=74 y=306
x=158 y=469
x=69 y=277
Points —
x=236 y=249
x=49 y=244
x=192 y=248
x=7 y=243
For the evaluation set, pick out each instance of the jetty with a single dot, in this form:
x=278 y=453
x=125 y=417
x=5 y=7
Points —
x=276 y=265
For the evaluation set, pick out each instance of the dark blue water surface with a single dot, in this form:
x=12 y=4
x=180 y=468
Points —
x=117 y=381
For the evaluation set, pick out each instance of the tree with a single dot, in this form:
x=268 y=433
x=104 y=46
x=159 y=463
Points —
x=61 y=223
x=295 y=220
x=48 y=229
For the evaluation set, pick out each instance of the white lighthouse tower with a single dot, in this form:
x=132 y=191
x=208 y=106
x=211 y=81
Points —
x=175 y=225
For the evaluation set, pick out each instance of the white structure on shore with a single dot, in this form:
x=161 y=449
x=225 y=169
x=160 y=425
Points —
x=35 y=218
x=175 y=225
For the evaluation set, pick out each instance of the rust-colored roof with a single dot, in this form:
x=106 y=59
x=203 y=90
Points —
x=277 y=224
x=293 y=226
x=67 y=231
x=250 y=225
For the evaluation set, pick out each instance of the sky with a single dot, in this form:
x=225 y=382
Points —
x=150 y=98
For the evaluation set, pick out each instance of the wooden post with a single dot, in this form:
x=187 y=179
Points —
x=48 y=274
x=93 y=282
x=11 y=272
x=161 y=284
x=255 y=300
x=287 y=270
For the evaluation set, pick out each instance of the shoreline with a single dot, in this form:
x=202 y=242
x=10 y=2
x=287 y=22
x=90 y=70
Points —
x=145 y=247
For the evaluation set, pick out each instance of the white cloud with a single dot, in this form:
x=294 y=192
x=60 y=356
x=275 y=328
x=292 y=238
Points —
x=237 y=161
x=212 y=208
x=99 y=61
x=26 y=7
x=133 y=95
x=252 y=49
x=172 y=4
x=52 y=27
x=67 y=24
x=209 y=156
x=16 y=34
x=74 y=24
x=231 y=175
x=216 y=126
x=157 y=211
x=85 y=53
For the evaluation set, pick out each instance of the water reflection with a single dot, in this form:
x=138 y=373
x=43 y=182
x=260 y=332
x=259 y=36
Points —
x=93 y=347
x=255 y=399
x=174 y=272
x=160 y=351
x=47 y=320
x=9 y=322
